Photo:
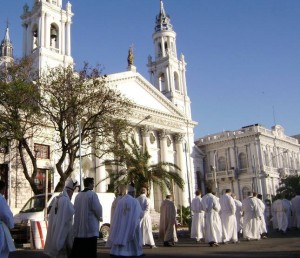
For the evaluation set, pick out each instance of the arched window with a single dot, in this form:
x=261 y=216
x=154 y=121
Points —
x=35 y=37
x=54 y=36
x=176 y=81
x=221 y=164
x=243 y=160
x=161 y=81
x=245 y=192
x=159 y=50
x=166 y=48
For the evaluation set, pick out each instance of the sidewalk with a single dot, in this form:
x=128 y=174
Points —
x=276 y=246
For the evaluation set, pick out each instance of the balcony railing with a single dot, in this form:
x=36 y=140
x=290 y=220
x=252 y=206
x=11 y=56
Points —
x=219 y=174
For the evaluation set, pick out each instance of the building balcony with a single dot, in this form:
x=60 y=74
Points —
x=284 y=172
x=220 y=175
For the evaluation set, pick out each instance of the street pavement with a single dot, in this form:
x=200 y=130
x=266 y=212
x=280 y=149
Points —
x=275 y=246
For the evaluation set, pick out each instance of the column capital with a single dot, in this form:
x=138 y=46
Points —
x=162 y=134
x=145 y=130
x=179 y=137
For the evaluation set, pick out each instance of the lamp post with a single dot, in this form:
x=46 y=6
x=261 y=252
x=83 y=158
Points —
x=145 y=118
x=215 y=173
x=80 y=156
x=188 y=177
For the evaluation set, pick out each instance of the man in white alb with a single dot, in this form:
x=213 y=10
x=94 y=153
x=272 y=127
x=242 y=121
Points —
x=197 y=229
x=59 y=238
x=213 y=226
x=228 y=218
x=126 y=236
x=251 y=223
x=146 y=221
x=238 y=214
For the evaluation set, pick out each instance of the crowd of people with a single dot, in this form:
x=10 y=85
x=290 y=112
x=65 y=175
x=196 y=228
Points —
x=223 y=220
x=73 y=229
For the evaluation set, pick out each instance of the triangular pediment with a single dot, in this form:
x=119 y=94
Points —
x=136 y=88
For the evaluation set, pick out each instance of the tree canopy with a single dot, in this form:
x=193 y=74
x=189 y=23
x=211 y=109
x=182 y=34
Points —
x=289 y=187
x=59 y=107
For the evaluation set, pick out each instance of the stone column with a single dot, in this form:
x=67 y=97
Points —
x=146 y=144
x=100 y=175
x=40 y=31
x=163 y=145
x=181 y=163
x=25 y=38
x=47 y=32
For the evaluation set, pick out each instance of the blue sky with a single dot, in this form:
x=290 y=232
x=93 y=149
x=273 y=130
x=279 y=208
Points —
x=243 y=56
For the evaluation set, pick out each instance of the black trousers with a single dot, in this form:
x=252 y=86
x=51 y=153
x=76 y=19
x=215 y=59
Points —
x=84 y=248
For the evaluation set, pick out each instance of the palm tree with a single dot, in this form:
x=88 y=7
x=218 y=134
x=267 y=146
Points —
x=137 y=169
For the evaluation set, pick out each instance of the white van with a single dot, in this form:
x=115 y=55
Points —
x=34 y=209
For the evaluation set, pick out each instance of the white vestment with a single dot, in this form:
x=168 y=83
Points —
x=279 y=211
x=88 y=213
x=6 y=223
x=228 y=218
x=213 y=226
x=60 y=232
x=125 y=236
x=146 y=221
x=197 y=228
x=238 y=215
x=261 y=209
x=296 y=211
x=251 y=220
x=167 y=222
x=288 y=208
x=112 y=212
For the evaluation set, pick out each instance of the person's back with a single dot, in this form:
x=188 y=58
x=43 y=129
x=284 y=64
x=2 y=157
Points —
x=6 y=223
x=59 y=238
x=213 y=226
x=146 y=221
x=238 y=213
x=197 y=228
x=262 y=208
x=228 y=218
x=288 y=210
x=251 y=225
x=88 y=213
x=296 y=210
x=281 y=216
x=167 y=224
x=126 y=234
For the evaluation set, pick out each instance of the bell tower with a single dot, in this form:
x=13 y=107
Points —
x=47 y=33
x=6 y=49
x=167 y=72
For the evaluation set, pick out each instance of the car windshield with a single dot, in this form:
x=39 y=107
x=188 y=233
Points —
x=35 y=204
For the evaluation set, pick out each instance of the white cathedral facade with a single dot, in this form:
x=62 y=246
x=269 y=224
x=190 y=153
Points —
x=168 y=131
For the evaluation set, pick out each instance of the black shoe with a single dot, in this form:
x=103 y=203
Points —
x=167 y=244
